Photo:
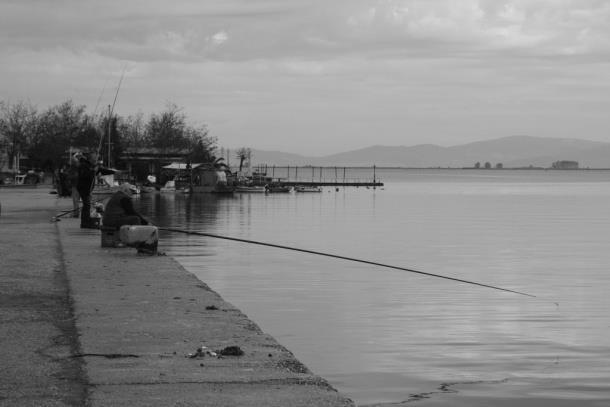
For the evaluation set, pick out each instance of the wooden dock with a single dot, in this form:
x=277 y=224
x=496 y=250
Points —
x=373 y=184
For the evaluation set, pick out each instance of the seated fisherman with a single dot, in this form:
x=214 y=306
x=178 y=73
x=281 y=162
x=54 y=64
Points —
x=119 y=210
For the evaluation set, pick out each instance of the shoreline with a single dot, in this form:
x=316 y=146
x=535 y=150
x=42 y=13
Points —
x=125 y=328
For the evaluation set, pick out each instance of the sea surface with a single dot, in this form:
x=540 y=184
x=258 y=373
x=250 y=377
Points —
x=390 y=337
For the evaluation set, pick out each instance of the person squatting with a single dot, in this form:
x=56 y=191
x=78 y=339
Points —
x=119 y=210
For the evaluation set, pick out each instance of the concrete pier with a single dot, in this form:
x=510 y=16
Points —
x=94 y=326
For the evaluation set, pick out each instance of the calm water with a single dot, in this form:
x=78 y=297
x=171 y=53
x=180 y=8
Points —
x=387 y=336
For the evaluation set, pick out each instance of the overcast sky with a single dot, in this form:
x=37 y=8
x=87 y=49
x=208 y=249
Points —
x=322 y=76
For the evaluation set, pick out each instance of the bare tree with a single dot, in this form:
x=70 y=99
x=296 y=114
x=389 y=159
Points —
x=200 y=144
x=58 y=128
x=132 y=130
x=166 y=130
x=243 y=154
x=17 y=123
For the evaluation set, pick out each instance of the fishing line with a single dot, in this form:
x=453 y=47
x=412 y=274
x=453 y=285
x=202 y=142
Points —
x=62 y=213
x=99 y=149
x=99 y=98
x=336 y=256
x=445 y=387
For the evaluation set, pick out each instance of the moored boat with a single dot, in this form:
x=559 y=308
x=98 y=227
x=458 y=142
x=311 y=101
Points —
x=303 y=188
x=170 y=186
x=146 y=189
x=278 y=188
x=250 y=188
x=108 y=185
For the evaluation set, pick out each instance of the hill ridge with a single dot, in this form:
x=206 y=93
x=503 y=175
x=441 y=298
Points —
x=510 y=151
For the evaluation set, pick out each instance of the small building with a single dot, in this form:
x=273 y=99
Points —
x=207 y=178
x=142 y=161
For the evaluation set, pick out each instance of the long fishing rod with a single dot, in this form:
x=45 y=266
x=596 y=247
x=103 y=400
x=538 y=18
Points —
x=63 y=213
x=111 y=110
x=343 y=258
x=99 y=98
x=118 y=88
x=69 y=211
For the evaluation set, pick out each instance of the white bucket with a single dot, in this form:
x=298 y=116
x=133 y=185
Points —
x=144 y=238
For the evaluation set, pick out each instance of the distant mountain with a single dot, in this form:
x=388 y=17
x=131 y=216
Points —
x=280 y=158
x=513 y=151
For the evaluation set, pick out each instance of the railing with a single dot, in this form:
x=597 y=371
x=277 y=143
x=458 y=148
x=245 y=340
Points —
x=365 y=176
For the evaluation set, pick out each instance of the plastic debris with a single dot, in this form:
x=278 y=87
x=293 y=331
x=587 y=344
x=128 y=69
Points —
x=204 y=351
x=201 y=352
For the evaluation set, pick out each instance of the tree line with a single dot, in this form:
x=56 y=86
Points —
x=487 y=165
x=47 y=136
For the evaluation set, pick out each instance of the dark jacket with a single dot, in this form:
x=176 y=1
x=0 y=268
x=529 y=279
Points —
x=86 y=175
x=119 y=206
x=72 y=175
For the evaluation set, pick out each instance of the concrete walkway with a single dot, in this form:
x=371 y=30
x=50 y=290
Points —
x=87 y=325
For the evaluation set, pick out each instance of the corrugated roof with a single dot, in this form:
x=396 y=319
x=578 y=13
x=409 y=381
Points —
x=180 y=166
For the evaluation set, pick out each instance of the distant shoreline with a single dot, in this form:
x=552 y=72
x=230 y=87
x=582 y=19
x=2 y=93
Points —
x=391 y=167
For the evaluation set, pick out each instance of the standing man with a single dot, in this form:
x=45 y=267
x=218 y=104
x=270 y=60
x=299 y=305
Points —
x=73 y=181
x=84 y=185
x=87 y=171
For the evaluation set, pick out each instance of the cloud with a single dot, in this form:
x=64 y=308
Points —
x=193 y=30
x=304 y=66
x=220 y=38
x=528 y=27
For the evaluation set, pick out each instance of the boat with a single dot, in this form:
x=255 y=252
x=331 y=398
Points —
x=278 y=188
x=170 y=186
x=105 y=185
x=303 y=188
x=150 y=185
x=108 y=185
x=146 y=189
x=250 y=188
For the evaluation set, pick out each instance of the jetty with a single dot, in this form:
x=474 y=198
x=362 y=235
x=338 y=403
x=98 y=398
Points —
x=316 y=176
x=374 y=184
x=96 y=326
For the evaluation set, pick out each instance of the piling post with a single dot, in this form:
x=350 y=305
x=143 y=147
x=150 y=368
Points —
x=335 y=177
x=374 y=183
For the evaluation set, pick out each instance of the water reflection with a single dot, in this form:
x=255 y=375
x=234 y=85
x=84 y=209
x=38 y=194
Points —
x=389 y=336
